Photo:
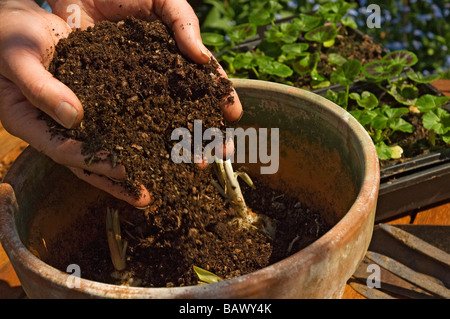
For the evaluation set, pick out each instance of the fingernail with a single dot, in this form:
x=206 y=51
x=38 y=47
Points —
x=205 y=52
x=66 y=114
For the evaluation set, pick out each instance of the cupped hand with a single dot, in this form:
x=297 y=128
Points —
x=176 y=14
x=28 y=36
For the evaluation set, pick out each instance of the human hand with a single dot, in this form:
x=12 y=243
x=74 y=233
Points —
x=178 y=15
x=28 y=35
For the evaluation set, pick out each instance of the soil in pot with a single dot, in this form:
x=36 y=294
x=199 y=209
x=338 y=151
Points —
x=136 y=88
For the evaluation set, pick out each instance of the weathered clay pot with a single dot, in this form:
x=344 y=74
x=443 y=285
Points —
x=326 y=159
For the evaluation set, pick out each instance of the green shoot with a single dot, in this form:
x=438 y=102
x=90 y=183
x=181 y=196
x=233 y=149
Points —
x=228 y=181
x=205 y=276
x=229 y=187
x=117 y=247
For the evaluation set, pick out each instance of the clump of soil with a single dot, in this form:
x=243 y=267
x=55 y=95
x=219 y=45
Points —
x=136 y=88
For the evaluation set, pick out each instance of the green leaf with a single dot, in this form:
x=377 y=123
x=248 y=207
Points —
x=260 y=59
x=306 y=22
x=216 y=19
x=295 y=49
x=320 y=84
x=400 y=124
x=419 y=78
x=275 y=68
x=319 y=81
x=340 y=98
x=242 y=32
x=401 y=57
x=206 y=276
x=446 y=138
x=380 y=122
x=334 y=11
x=367 y=99
x=437 y=120
x=429 y=102
x=213 y=39
x=265 y=14
x=349 y=22
x=306 y=64
x=261 y=17
x=337 y=59
x=384 y=152
x=245 y=60
x=346 y=73
x=394 y=112
x=405 y=94
x=322 y=34
x=328 y=44
x=284 y=32
x=381 y=70
x=364 y=117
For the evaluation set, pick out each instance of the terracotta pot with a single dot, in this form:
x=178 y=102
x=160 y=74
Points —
x=326 y=159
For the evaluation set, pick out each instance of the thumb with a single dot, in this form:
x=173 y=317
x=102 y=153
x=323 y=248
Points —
x=44 y=91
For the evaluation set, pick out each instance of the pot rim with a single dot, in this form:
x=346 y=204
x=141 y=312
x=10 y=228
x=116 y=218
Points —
x=343 y=230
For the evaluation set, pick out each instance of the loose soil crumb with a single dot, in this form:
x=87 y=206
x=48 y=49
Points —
x=136 y=88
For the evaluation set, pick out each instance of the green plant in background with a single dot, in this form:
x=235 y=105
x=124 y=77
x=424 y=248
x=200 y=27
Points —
x=418 y=26
x=294 y=48
x=388 y=69
x=344 y=75
x=382 y=123
x=287 y=47
x=434 y=118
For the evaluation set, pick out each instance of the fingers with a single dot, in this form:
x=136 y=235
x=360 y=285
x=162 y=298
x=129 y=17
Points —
x=181 y=18
x=231 y=106
x=114 y=189
x=26 y=46
x=20 y=118
x=42 y=89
